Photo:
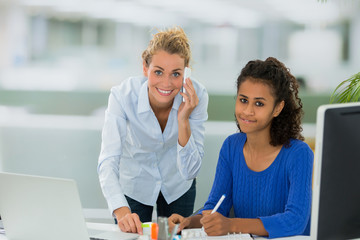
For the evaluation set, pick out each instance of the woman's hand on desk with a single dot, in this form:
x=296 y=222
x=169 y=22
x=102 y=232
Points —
x=127 y=221
x=178 y=219
x=215 y=224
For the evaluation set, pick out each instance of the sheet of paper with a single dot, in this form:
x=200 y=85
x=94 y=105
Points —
x=198 y=234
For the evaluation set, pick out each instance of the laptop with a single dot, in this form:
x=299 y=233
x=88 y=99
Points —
x=43 y=208
x=336 y=187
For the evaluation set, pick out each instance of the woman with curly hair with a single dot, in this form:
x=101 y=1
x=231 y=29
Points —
x=265 y=170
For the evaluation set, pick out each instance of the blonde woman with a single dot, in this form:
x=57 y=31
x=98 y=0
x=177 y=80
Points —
x=152 y=140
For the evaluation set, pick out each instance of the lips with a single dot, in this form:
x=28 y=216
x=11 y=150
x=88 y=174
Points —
x=164 y=92
x=247 y=120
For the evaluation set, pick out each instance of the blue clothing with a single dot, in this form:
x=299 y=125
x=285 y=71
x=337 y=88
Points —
x=137 y=159
x=280 y=196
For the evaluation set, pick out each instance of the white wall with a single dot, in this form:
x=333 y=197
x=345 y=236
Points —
x=68 y=147
x=55 y=146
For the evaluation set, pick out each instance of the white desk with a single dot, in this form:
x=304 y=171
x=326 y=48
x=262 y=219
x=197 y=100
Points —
x=91 y=226
x=113 y=227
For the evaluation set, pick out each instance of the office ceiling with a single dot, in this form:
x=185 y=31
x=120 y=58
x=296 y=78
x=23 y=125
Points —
x=238 y=13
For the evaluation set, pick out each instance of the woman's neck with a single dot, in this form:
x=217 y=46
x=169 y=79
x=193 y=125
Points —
x=258 y=141
x=259 y=153
x=158 y=107
x=162 y=114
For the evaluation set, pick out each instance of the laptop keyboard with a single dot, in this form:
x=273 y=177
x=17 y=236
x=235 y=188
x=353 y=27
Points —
x=93 y=238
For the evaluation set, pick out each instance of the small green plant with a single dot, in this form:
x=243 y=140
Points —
x=347 y=91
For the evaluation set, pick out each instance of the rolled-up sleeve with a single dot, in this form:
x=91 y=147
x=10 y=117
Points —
x=190 y=156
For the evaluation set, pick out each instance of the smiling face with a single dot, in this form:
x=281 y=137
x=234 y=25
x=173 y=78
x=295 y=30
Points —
x=255 y=107
x=165 y=73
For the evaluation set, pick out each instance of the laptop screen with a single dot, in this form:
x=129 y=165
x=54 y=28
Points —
x=34 y=207
x=336 y=190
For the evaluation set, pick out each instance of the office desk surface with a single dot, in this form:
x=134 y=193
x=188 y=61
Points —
x=113 y=227
x=90 y=226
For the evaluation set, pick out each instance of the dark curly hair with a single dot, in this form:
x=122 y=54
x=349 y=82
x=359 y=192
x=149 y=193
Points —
x=284 y=88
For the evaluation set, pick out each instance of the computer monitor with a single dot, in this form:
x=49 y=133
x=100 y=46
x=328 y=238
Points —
x=336 y=183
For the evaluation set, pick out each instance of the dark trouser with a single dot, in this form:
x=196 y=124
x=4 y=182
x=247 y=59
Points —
x=183 y=205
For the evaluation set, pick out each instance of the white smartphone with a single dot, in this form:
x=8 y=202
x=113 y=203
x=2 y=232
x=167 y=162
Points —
x=187 y=74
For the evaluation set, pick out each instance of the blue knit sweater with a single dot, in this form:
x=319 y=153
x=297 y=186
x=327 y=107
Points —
x=280 y=195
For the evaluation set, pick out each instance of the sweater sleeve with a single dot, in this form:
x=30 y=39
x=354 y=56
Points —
x=295 y=217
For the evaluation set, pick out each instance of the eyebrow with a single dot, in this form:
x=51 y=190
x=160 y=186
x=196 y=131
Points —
x=159 y=67
x=257 y=98
x=177 y=69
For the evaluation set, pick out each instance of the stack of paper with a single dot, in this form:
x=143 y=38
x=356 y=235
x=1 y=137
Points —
x=198 y=233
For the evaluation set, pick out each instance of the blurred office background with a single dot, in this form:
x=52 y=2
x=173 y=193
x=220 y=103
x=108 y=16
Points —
x=59 y=59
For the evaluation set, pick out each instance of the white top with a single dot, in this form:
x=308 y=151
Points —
x=138 y=159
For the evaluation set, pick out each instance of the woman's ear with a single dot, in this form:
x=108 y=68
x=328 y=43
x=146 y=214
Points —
x=145 y=68
x=279 y=107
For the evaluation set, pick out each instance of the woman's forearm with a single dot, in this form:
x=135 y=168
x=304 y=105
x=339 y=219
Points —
x=184 y=132
x=247 y=225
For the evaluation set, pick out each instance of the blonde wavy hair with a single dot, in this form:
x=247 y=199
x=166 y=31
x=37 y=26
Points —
x=172 y=40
